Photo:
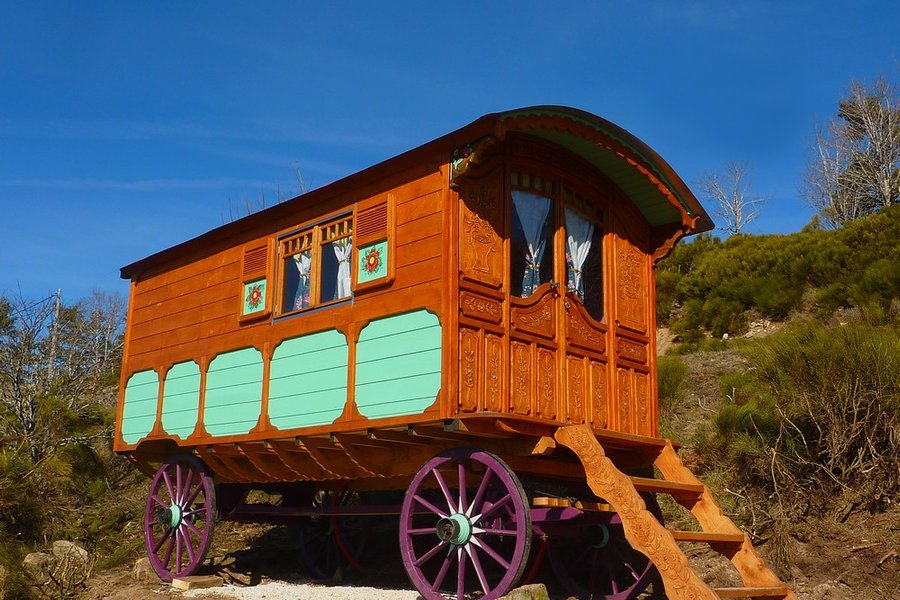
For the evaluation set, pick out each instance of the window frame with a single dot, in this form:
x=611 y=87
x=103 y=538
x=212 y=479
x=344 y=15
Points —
x=316 y=245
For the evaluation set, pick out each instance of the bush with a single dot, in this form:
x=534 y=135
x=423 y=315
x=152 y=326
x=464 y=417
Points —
x=672 y=376
x=817 y=416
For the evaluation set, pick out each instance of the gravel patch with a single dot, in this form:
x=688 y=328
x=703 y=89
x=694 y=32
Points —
x=281 y=590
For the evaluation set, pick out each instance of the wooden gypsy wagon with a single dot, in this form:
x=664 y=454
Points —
x=470 y=325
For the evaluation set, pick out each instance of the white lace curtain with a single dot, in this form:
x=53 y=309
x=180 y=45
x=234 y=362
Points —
x=342 y=250
x=303 y=262
x=532 y=211
x=578 y=245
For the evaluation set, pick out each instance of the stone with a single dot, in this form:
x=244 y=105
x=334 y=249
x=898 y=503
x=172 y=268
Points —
x=532 y=591
x=143 y=570
x=65 y=550
x=37 y=564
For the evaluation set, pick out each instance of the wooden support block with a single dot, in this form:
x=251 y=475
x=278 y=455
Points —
x=196 y=582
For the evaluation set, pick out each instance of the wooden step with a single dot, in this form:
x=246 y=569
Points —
x=662 y=486
x=707 y=537
x=752 y=592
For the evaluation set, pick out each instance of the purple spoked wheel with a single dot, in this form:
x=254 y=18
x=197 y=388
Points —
x=329 y=544
x=595 y=561
x=465 y=527
x=179 y=517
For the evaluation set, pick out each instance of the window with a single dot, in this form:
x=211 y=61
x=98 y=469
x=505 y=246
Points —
x=531 y=241
x=315 y=265
x=535 y=217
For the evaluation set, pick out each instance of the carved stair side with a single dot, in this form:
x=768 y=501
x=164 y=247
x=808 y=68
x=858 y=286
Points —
x=751 y=567
x=643 y=531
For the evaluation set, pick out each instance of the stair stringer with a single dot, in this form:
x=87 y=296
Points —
x=751 y=567
x=643 y=531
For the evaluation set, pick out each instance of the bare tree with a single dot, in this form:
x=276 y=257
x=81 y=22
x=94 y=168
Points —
x=855 y=165
x=248 y=205
x=730 y=190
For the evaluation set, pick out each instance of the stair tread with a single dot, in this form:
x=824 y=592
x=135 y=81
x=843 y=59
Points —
x=707 y=536
x=751 y=592
x=646 y=484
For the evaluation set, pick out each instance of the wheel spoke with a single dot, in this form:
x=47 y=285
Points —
x=470 y=550
x=479 y=495
x=178 y=551
x=442 y=574
x=490 y=552
x=421 y=531
x=462 y=488
x=168 y=555
x=501 y=502
x=425 y=557
x=178 y=485
x=581 y=557
x=430 y=506
x=492 y=531
x=451 y=505
x=460 y=574
x=159 y=501
x=186 y=487
x=196 y=492
x=189 y=546
x=168 y=482
x=162 y=540
x=193 y=529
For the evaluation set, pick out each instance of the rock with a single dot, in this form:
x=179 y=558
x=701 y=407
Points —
x=533 y=591
x=65 y=550
x=143 y=571
x=37 y=564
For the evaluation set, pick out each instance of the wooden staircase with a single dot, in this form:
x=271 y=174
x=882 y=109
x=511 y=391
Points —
x=646 y=534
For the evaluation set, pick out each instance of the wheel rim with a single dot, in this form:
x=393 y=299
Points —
x=465 y=527
x=179 y=517
x=596 y=562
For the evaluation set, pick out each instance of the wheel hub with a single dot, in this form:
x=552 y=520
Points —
x=169 y=516
x=456 y=529
x=599 y=536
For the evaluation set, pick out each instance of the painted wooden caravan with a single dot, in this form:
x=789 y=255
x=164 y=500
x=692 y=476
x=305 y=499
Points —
x=470 y=323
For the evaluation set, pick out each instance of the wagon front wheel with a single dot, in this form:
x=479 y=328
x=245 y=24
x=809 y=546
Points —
x=465 y=527
x=179 y=517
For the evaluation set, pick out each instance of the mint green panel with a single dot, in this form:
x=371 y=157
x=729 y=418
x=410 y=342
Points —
x=372 y=262
x=233 y=392
x=254 y=296
x=139 y=412
x=398 y=365
x=181 y=399
x=308 y=380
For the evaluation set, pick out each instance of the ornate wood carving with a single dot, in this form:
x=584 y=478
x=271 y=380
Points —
x=521 y=377
x=580 y=332
x=632 y=351
x=479 y=307
x=625 y=400
x=468 y=370
x=537 y=319
x=546 y=383
x=493 y=370
x=576 y=389
x=642 y=530
x=599 y=414
x=642 y=403
x=481 y=250
x=631 y=287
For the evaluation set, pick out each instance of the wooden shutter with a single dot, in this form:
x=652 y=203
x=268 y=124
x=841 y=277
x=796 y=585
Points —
x=256 y=288
x=373 y=243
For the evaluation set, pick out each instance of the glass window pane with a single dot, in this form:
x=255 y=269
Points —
x=297 y=272
x=584 y=264
x=531 y=242
x=335 y=279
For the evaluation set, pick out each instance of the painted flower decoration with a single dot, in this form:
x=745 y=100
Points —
x=373 y=261
x=254 y=298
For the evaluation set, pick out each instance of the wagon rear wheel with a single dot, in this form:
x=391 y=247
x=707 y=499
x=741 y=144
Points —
x=465 y=527
x=179 y=517
x=329 y=544
x=596 y=562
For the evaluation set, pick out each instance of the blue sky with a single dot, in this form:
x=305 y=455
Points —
x=128 y=127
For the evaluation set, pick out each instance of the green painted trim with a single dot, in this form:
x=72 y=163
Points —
x=398 y=365
x=308 y=380
x=378 y=269
x=139 y=410
x=181 y=399
x=233 y=400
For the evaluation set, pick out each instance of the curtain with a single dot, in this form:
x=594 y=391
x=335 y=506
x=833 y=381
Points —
x=532 y=211
x=342 y=250
x=578 y=245
x=303 y=262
